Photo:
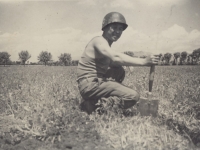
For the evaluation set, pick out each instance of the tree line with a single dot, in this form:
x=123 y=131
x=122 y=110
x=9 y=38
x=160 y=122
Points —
x=177 y=58
x=44 y=58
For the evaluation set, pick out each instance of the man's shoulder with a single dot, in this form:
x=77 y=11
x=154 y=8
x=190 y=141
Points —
x=98 y=40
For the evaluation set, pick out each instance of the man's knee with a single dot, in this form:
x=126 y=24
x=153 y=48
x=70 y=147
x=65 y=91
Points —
x=132 y=95
x=131 y=100
x=136 y=96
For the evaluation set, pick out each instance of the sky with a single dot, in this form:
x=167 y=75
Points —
x=67 y=26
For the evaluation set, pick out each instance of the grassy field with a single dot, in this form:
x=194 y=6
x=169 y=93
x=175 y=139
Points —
x=39 y=110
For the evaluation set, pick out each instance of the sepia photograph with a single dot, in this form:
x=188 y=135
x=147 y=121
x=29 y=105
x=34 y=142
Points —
x=99 y=74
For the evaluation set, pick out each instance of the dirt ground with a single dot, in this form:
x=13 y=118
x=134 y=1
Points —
x=84 y=139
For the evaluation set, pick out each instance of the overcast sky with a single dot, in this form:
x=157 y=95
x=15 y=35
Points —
x=156 y=26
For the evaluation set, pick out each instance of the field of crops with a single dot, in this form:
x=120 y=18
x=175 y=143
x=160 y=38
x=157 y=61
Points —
x=39 y=110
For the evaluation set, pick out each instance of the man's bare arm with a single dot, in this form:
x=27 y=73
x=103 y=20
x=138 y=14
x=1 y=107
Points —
x=118 y=58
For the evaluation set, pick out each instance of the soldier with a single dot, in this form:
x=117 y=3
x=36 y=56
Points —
x=100 y=72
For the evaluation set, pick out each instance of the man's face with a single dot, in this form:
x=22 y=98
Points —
x=115 y=31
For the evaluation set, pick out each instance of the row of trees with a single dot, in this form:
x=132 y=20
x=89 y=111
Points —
x=177 y=58
x=65 y=59
x=43 y=58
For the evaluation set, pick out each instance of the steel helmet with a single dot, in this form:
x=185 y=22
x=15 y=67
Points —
x=113 y=17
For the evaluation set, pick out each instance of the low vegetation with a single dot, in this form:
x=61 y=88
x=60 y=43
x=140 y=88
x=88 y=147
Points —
x=39 y=110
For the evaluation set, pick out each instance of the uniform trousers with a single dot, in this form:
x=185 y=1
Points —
x=94 y=88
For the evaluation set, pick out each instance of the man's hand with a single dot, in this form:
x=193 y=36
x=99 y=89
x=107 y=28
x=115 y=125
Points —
x=151 y=60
